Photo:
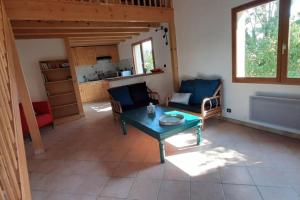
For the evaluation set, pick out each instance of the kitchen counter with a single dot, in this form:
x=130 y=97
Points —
x=94 y=91
x=132 y=76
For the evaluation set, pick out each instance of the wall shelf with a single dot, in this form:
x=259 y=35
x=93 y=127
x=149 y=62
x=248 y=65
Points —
x=54 y=70
x=60 y=89
x=57 y=82
x=62 y=106
x=62 y=94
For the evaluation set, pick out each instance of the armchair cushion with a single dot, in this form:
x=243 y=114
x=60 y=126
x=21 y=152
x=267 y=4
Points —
x=192 y=108
x=41 y=107
x=139 y=93
x=122 y=95
x=203 y=89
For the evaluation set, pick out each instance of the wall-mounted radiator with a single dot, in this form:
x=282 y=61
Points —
x=279 y=111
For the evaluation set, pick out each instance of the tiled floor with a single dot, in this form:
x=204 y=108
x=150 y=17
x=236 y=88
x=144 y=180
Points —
x=90 y=159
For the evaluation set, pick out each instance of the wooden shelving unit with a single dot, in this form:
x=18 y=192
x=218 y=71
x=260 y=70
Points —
x=60 y=89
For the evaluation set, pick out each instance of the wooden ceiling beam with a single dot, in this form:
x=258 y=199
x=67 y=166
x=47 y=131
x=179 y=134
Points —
x=79 y=31
x=36 y=36
x=29 y=24
x=100 y=37
x=81 y=11
x=83 y=44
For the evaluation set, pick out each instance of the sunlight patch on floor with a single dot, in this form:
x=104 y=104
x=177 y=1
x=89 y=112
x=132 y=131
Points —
x=185 y=140
x=101 y=109
x=198 y=163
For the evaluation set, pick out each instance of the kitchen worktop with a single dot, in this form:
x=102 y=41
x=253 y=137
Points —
x=118 y=78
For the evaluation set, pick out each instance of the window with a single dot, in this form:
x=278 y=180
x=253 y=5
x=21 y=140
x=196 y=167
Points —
x=266 y=42
x=143 y=56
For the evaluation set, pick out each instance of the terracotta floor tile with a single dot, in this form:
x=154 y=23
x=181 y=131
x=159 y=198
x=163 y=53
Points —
x=90 y=158
x=174 y=190
x=241 y=192
x=117 y=187
x=206 y=191
x=278 y=193
x=145 y=189
x=236 y=175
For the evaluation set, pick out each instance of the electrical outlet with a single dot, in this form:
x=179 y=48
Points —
x=229 y=110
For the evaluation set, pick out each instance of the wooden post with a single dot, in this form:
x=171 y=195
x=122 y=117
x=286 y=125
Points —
x=71 y=59
x=174 y=58
x=16 y=121
x=26 y=102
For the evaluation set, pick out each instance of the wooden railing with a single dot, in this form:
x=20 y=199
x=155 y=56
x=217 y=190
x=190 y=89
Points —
x=144 y=3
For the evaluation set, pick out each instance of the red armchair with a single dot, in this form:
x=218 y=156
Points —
x=43 y=115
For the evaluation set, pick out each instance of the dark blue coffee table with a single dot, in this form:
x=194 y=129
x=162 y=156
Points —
x=149 y=124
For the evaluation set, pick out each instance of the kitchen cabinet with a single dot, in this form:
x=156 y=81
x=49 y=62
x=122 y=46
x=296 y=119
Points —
x=111 y=50
x=95 y=91
x=85 y=56
x=88 y=55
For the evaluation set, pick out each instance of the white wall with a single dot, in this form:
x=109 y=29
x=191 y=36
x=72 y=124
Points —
x=30 y=53
x=161 y=83
x=203 y=30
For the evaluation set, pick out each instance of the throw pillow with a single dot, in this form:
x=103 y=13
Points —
x=182 y=98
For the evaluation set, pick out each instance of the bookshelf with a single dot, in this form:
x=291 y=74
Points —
x=60 y=89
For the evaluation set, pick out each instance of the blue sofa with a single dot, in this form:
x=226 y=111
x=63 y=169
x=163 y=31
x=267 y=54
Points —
x=205 y=99
x=130 y=97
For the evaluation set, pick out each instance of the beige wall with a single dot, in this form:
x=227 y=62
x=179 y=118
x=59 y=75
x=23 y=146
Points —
x=30 y=53
x=203 y=30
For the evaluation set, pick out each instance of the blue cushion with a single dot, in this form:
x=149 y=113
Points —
x=192 y=108
x=139 y=93
x=122 y=95
x=203 y=89
x=187 y=86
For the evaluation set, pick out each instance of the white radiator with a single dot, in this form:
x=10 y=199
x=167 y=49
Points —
x=279 y=111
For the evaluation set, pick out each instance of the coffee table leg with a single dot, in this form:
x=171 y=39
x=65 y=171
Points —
x=199 y=134
x=123 y=125
x=162 y=151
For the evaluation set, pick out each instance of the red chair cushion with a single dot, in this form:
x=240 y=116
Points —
x=44 y=120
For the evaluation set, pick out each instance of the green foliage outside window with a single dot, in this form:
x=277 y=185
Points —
x=262 y=42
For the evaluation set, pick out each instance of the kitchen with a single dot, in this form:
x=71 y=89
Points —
x=98 y=66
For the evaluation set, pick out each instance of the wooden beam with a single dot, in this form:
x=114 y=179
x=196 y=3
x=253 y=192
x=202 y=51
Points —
x=100 y=37
x=29 y=24
x=71 y=58
x=26 y=100
x=84 y=44
x=174 y=58
x=81 y=11
x=97 y=40
x=14 y=101
x=73 y=35
x=79 y=31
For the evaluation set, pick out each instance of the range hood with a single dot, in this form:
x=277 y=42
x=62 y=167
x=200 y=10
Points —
x=99 y=58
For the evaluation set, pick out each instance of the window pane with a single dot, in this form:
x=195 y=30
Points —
x=138 y=59
x=294 y=41
x=148 y=56
x=256 y=41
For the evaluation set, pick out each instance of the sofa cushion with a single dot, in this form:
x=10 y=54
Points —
x=203 y=89
x=139 y=105
x=182 y=98
x=192 y=108
x=139 y=93
x=122 y=95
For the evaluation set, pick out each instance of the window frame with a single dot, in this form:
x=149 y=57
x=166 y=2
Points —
x=142 y=53
x=283 y=39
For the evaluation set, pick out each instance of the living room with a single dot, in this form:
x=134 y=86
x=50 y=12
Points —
x=240 y=141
